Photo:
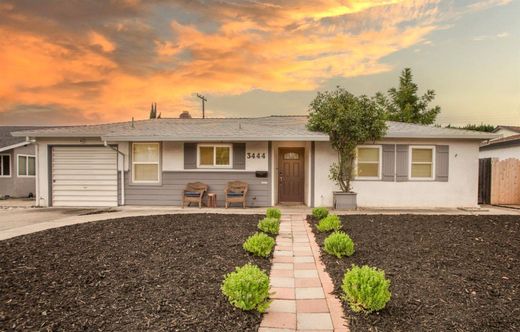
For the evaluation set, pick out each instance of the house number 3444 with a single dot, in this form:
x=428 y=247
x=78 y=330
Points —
x=253 y=155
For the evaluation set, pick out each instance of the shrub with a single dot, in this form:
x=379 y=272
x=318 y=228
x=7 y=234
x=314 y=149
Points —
x=273 y=213
x=320 y=213
x=259 y=244
x=366 y=289
x=269 y=225
x=339 y=244
x=329 y=223
x=247 y=288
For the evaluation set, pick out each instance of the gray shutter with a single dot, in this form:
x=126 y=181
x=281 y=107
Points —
x=190 y=155
x=239 y=155
x=388 y=162
x=442 y=162
x=401 y=163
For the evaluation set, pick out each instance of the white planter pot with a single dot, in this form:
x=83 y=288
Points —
x=345 y=201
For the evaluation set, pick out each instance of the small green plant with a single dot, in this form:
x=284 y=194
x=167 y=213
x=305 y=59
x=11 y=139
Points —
x=273 y=213
x=329 y=223
x=320 y=213
x=269 y=225
x=259 y=244
x=339 y=244
x=366 y=289
x=247 y=288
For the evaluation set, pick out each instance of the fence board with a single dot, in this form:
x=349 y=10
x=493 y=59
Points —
x=505 y=181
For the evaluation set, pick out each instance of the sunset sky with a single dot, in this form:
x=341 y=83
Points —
x=80 y=61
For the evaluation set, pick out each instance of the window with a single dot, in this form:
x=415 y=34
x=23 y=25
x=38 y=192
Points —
x=5 y=165
x=26 y=165
x=368 y=162
x=145 y=162
x=214 y=156
x=291 y=156
x=422 y=162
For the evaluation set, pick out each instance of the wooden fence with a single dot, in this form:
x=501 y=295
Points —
x=505 y=181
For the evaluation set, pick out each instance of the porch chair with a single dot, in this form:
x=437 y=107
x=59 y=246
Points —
x=194 y=193
x=236 y=192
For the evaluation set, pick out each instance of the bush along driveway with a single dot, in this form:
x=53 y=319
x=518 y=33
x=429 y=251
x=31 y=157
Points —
x=447 y=273
x=159 y=273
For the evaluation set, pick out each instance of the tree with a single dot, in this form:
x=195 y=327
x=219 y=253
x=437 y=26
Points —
x=153 y=111
x=404 y=105
x=349 y=121
x=481 y=127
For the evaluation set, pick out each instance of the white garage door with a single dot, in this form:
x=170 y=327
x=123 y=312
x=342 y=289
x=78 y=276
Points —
x=84 y=176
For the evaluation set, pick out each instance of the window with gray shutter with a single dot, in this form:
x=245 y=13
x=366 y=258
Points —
x=401 y=163
x=388 y=162
x=442 y=162
x=239 y=155
x=190 y=155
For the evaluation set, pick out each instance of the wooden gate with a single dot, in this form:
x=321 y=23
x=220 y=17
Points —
x=484 y=181
x=505 y=181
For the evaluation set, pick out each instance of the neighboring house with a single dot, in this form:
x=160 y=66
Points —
x=17 y=163
x=149 y=162
x=505 y=131
x=501 y=148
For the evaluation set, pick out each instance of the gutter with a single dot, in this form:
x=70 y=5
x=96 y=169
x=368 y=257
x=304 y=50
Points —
x=122 y=171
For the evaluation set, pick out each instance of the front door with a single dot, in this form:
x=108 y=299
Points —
x=291 y=176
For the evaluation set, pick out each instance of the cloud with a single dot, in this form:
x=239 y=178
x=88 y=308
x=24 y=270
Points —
x=491 y=37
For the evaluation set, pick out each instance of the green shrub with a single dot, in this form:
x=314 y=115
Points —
x=269 y=225
x=366 y=288
x=329 y=223
x=247 y=288
x=259 y=244
x=320 y=213
x=273 y=213
x=339 y=244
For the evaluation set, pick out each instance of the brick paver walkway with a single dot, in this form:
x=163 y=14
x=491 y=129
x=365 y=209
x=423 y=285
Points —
x=302 y=300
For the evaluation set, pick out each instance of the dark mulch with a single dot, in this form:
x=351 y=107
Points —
x=448 y=273
x=142 y=273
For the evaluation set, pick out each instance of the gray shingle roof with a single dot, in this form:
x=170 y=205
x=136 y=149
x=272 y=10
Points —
x=226 y=129
x=6 y=139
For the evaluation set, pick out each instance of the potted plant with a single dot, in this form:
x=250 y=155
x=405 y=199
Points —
x=349 y=121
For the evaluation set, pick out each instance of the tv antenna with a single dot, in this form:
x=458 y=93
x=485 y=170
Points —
x=204 y=100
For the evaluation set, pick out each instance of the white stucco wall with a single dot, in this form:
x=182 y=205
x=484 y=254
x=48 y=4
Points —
x=502 y=153
x=460 y=190
x=505 y=132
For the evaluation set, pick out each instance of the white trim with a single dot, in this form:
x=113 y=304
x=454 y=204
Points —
x=17 y=145
x=158 y=163
x=2 y=166
x=410 y=162
x=379 y=162
x=214 y=146
x=27 y=156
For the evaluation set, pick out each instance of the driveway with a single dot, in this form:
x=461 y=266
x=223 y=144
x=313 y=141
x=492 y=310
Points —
x=20 y=217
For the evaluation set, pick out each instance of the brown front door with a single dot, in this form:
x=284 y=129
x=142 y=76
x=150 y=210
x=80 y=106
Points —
x=291 y=176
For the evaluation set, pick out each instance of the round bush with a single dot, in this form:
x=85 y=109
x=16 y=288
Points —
x=259 y=244
x=320 y=213
x=366 y=289
x=339 y=244
x=269 y=225
x=247 y=288
x=329 y=223
x=273 y=213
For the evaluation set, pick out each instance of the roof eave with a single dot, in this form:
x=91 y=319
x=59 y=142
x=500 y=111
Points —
x=14 y=146
x=213 y=138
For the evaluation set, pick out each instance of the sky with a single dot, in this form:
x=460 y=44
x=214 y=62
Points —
x=83 y=62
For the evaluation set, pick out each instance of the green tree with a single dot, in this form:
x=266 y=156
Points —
x=481 y=127
x=153 y=111
x=349 y=121
x=404 y=105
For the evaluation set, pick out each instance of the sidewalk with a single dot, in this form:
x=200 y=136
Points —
x=302 y=299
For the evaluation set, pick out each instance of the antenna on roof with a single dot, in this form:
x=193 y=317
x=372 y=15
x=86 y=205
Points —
x=203 y=102
x=133 y=126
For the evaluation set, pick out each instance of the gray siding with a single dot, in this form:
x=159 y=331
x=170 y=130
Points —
x=442 y=163
x=388 y=162
x=173 y=183
x=15 y=186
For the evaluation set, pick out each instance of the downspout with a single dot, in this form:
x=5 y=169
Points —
x=122 y=171
x=37 y=166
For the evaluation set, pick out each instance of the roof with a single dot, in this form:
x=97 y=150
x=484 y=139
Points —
x=273 y=128
x=513 y=140
x=6 y=139
x=516 y=129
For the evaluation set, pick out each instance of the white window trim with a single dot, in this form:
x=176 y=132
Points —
x=214 y=146
x=410 y=162
x=27 y=156
x=380 y=163
x=158 y=163
x=2 y=166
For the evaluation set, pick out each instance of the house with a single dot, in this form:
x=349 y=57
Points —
x=501 y=148
x=505 y=131
x=149 y=162
x=17 y=163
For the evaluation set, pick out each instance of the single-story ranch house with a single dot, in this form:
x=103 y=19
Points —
x=150 y=162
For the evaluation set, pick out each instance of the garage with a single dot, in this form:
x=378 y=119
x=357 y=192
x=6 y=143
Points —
x=84 y=176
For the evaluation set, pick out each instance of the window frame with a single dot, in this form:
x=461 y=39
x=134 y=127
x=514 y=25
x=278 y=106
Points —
x=27 y=156
x=410 y=162
x=380 y=163
x=158 y=163
x=2 y=166
x=215 y=146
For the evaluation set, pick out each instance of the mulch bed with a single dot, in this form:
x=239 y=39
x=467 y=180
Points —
x=448 y=273
x=141 y=273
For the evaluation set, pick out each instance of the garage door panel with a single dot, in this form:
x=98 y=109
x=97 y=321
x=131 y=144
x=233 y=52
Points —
x=84 y=176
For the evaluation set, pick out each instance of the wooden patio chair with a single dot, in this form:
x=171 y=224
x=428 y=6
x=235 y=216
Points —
x=236 y=192
x=194 y=193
